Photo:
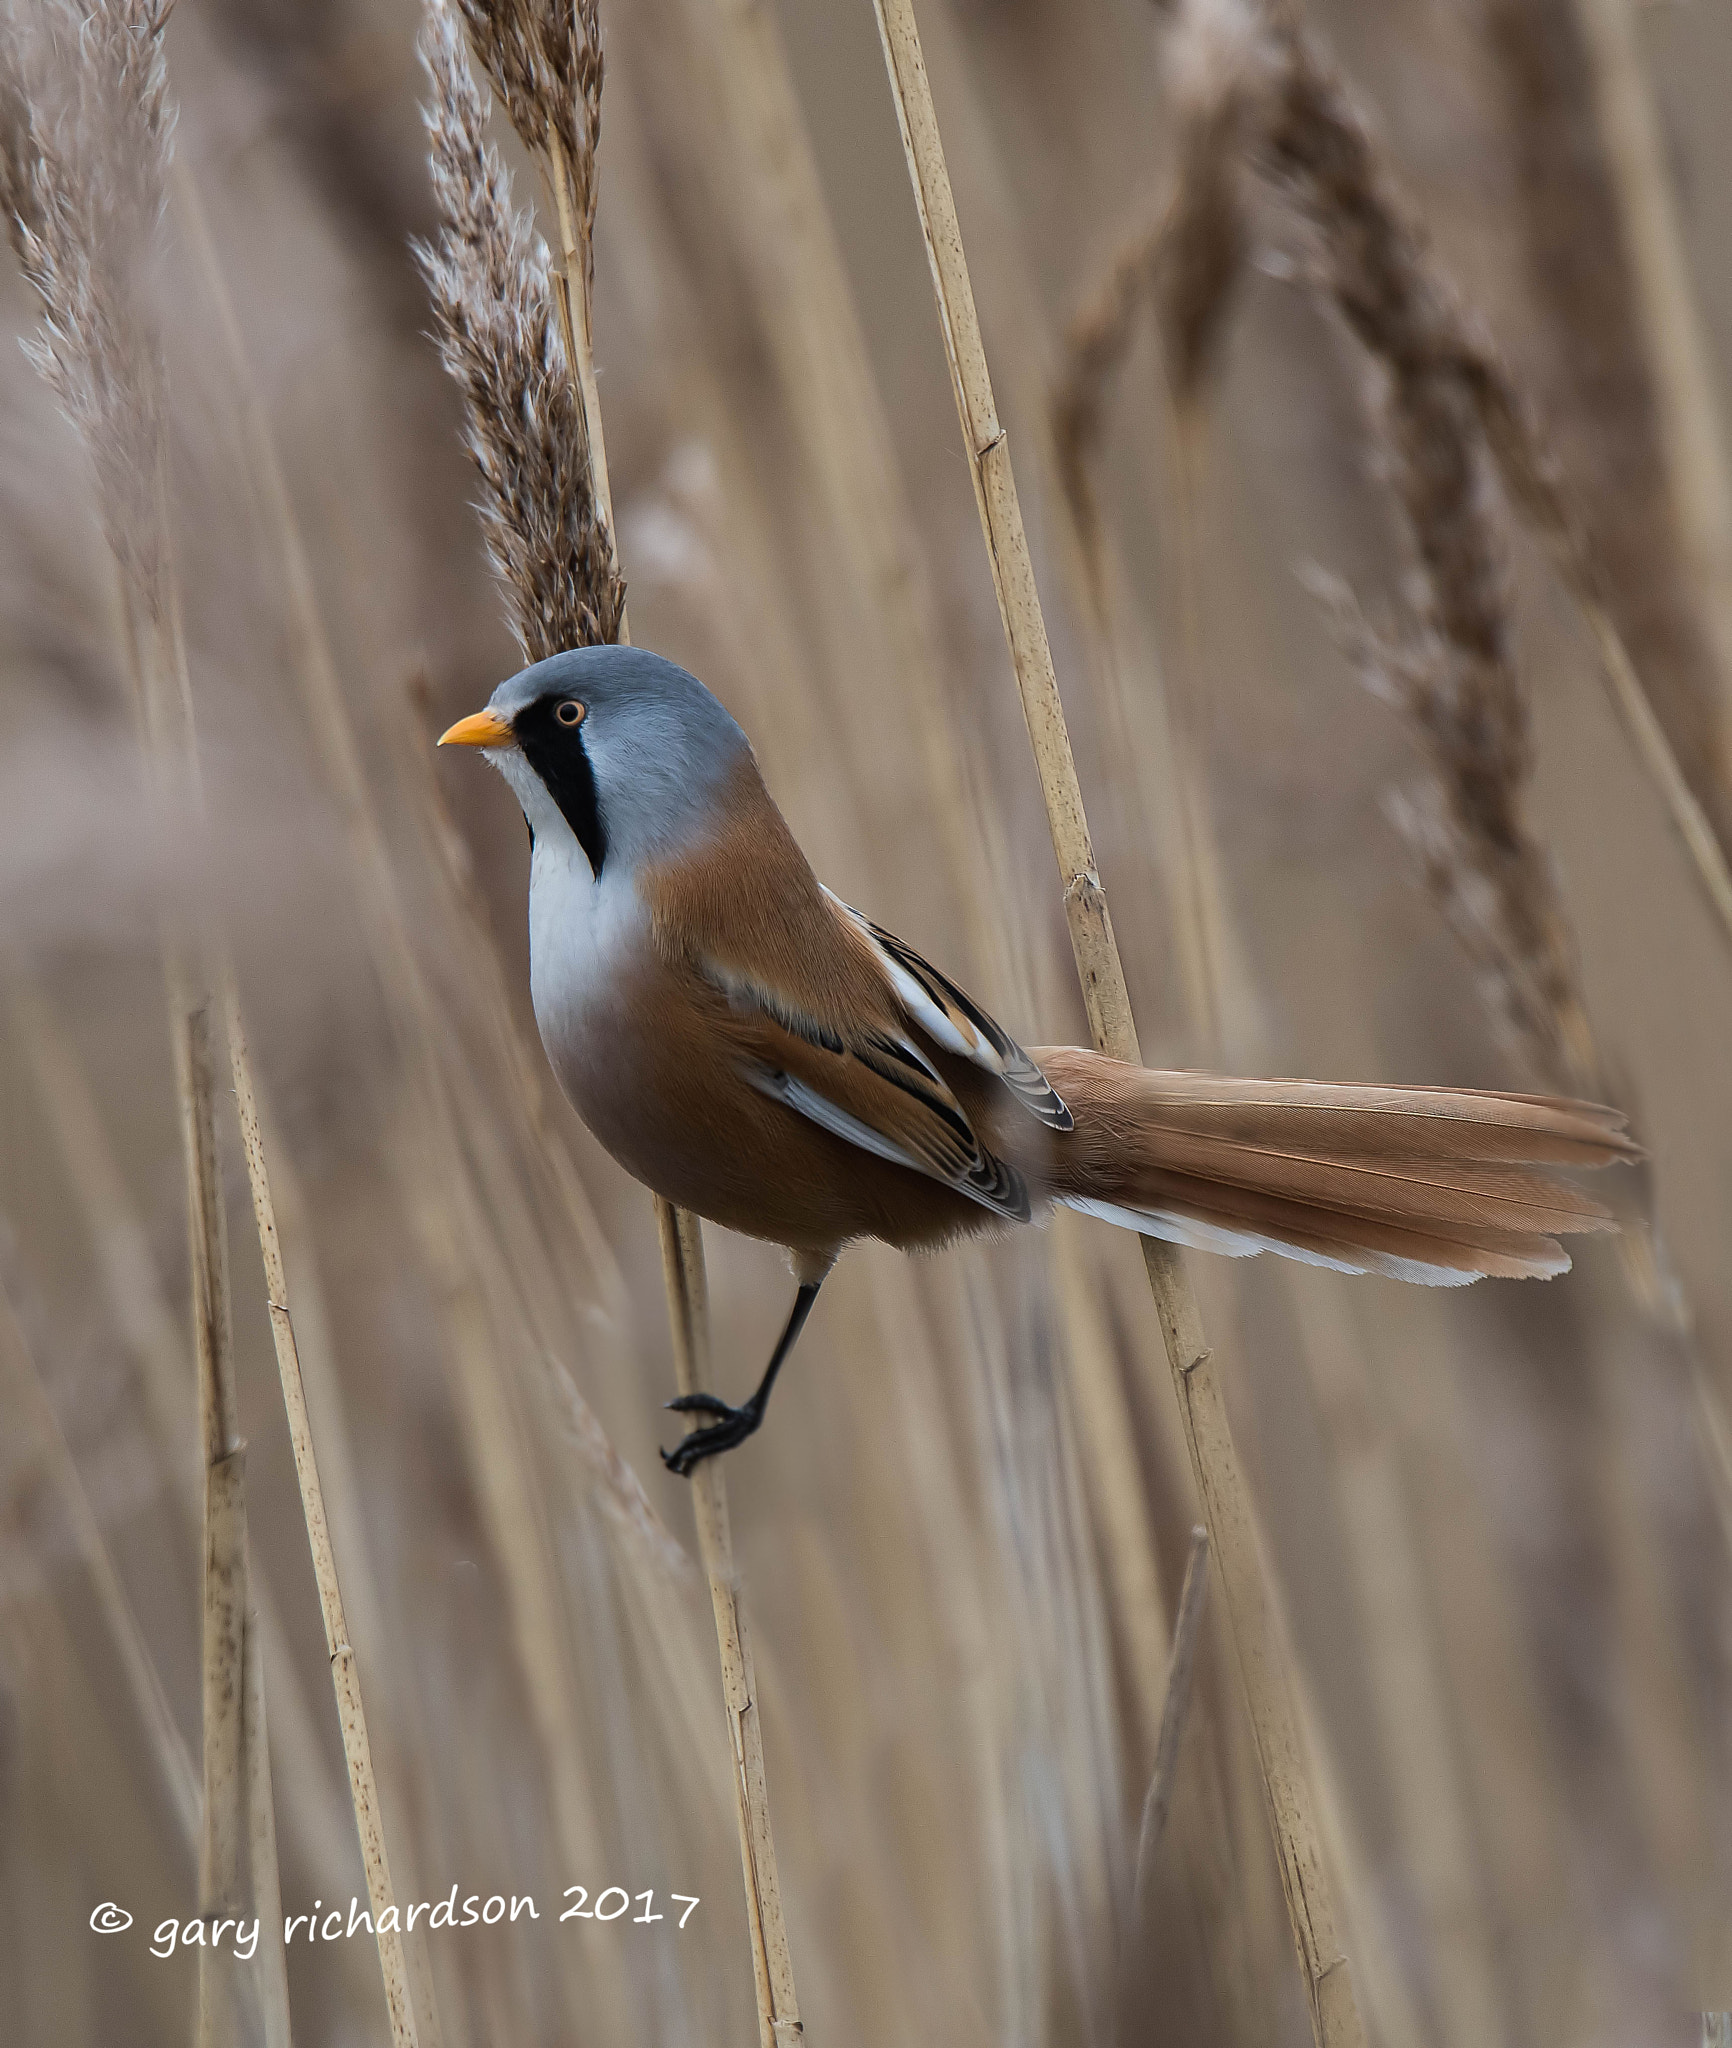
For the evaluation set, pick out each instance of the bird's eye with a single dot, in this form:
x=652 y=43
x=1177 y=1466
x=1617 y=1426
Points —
x=570 y=712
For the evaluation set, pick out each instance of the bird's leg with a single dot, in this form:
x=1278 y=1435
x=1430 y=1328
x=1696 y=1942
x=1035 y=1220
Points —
x=736 y=1424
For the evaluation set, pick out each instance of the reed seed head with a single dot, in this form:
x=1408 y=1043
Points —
x=85 y=131
x=490 y=279
x=1452 y=671
x=544 y=60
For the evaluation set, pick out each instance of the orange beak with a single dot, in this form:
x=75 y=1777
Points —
x=479 y=729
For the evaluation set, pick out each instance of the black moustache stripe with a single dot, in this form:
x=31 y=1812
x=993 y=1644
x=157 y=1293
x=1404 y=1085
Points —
x=556 y=753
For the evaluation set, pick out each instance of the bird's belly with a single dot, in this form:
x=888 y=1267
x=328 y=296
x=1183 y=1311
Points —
x=641 y=1052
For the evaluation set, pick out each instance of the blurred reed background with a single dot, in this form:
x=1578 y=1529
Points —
x=1393 y=352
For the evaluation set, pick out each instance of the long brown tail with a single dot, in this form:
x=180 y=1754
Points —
x=1438 y=1185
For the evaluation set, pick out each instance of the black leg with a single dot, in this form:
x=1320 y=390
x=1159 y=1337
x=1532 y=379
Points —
x=736 y=1424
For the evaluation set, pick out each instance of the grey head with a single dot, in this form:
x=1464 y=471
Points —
x=620 y=747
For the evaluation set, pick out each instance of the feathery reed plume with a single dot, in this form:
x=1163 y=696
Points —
x=1379 y=273
x=490 y=279
x=85 y=130
x=546 y=63
x=1332 y=2007
x=1453 y=672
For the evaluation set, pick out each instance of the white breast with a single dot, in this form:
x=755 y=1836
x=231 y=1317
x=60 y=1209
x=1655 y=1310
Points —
x=582 y=935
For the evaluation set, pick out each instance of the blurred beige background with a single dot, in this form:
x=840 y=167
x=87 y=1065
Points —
x=1498 y=1519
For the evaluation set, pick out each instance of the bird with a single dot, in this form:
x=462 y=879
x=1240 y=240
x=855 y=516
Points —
x=757 y=1051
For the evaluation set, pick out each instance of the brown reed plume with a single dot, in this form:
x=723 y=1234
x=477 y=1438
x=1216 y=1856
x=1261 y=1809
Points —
x=1258 y=62
x=1452 y=671
x=545 y=62
x=85 y=129
x=490 y=278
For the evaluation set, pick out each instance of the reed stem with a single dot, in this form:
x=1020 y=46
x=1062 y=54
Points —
x=772 y=1965
x=345 y=1678
x=683 y=1274
x=225 y=1833
x=1334 y=2012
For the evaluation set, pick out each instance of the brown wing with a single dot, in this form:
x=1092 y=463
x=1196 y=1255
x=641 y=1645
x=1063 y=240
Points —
x=813 y=1018
x=958 y=1023
x=876 y=1089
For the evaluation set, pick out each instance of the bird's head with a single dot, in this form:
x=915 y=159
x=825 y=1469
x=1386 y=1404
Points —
x=625 y=752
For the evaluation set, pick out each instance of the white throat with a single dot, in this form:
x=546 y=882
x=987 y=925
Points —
x=581 y=930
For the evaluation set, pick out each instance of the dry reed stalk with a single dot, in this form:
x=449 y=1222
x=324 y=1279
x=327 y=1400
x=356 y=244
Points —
x=325 y=1824
x=267 y=1900
x=1328 y=1982
x=180 y=1780
x=528 y=411
x=1158 y=1800
x=228 y=1740
x=772 y=1965
x=345 y=1677
x=808 y=318
x=810 y=323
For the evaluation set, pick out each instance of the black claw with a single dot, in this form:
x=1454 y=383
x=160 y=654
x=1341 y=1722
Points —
x=736 y=1425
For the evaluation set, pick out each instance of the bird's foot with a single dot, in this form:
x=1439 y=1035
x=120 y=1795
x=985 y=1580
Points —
x=734 y=1426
